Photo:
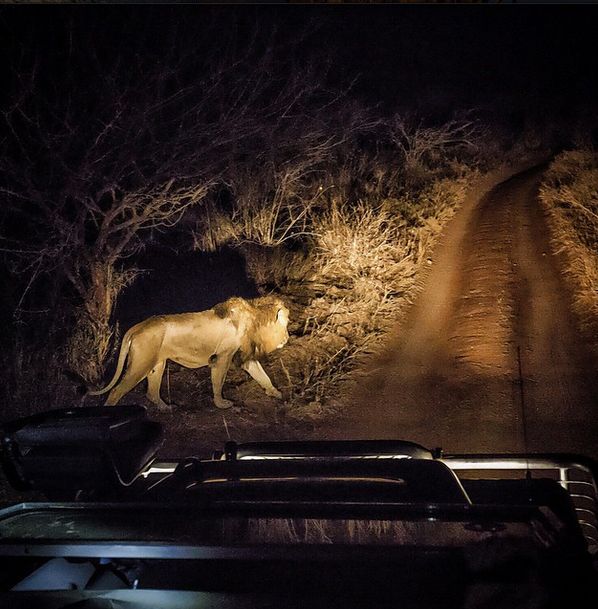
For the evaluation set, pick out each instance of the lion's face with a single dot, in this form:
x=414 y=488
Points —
x=272 y=333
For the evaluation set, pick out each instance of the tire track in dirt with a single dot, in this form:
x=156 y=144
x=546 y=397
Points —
x=449 y=375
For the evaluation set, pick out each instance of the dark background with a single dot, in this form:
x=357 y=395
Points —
x=405 y=56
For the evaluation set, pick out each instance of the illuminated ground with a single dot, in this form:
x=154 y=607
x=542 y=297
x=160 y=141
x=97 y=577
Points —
x=449 y=375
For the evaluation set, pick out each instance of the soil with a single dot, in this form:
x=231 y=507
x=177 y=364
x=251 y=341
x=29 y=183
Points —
x=488 y=358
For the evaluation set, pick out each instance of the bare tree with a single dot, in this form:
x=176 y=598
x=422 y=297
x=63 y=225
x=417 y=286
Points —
x=102 y=143
x=423 y=145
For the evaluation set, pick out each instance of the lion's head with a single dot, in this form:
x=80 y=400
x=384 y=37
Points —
x=263 y=322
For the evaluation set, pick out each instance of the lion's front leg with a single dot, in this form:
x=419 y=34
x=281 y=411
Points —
x=219 y=366
x=254 y=368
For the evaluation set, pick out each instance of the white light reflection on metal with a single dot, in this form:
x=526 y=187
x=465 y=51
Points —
x=327 y=457
x=162 y=468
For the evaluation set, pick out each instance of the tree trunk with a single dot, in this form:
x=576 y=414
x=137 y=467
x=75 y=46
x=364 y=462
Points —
x=91 y=342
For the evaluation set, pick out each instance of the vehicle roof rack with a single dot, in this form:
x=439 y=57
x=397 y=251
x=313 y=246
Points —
x=389 y=480
x=326 y=449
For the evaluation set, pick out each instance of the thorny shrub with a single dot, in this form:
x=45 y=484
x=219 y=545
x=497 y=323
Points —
x=95 y=337
x=427 y=150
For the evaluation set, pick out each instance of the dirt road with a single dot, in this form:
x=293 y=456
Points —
x=493 y=310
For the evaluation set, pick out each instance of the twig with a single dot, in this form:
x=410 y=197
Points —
x=168 y=383
x=226 y=427
x=286 y=373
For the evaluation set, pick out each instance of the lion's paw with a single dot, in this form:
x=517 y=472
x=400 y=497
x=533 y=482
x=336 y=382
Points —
x=274 y=393
x=222 y=403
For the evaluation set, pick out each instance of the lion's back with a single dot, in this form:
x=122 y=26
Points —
x=202 y=333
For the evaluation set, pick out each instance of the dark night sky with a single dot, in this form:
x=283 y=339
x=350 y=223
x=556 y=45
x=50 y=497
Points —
x=475 y=52
x=406 y=55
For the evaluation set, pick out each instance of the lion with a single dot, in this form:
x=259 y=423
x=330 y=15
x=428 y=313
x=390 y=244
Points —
x=236 y=330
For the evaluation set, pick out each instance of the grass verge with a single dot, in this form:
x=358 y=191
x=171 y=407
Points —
x=569 y=194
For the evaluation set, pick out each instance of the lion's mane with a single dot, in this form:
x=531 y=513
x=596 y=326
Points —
x=257 y=320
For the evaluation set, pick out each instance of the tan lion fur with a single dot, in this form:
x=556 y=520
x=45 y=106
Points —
x=238 y=328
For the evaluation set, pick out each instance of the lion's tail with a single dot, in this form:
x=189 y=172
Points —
x=122 y=357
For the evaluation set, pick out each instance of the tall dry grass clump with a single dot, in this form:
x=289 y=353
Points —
x=267 y=210
x=356 y=242
x=569 y=193
x=269 y=220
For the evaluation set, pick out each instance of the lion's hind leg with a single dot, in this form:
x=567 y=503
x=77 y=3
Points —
x=128 y=382
x=154 y=380
x=138 y=368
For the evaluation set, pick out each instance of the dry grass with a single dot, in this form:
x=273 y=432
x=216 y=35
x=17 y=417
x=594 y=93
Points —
x=268 y=210
x=269 y=216
x=354 y=242
x=569 y=194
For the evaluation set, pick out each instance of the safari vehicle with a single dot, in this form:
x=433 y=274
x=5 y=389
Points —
x=286 y=524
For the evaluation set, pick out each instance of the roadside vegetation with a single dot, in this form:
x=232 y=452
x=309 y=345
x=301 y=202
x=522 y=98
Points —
x=569 y=192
